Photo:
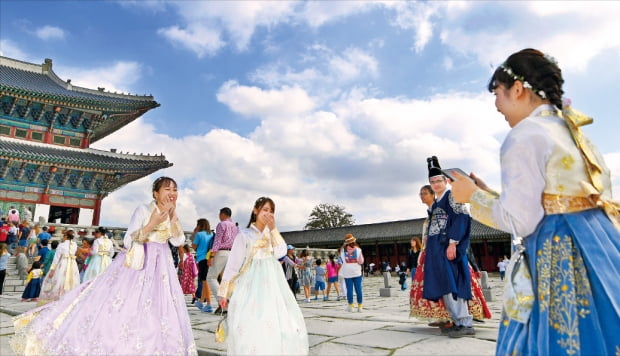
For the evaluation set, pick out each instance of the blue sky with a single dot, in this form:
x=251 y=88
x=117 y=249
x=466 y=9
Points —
x=315 y=102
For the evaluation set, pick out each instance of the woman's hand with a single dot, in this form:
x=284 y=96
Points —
x=268 y=219
x=51 y=274
x=157 y=217
x=223 y=303
x=480 y=183
x=462 y=188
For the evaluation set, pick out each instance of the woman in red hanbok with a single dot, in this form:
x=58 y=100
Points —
x=427 y=309
x=190 y=272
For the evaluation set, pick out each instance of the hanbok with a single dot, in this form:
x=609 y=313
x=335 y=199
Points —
x=427 y=309
x=33 y=288
x=66 y=273
x=189 y=274
x=556 y=200
x=144 y=309
x=100 y=259
x=263 y=315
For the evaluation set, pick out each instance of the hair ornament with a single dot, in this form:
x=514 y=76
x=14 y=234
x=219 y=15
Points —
x=520 y=78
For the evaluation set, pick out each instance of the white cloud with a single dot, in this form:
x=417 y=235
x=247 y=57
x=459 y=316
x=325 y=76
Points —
x=253 y=101
x=318 y=13
x=50 y=33
x=117 y=77
x=12 y=50
x=204 y=23
x=197 y=38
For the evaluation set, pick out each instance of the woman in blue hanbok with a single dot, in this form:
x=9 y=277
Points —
x=263 y=315
x=556 y=190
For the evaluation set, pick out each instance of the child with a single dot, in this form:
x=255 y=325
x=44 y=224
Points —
x=190 y=271
x=319 y=283
x=402 y=278
x=332 y=276
x=33 y=289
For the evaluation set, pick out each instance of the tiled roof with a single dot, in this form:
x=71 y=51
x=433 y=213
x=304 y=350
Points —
x=390 y=231
x=88 y=158
x=29 y=79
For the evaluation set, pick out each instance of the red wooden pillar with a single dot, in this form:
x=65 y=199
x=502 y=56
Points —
x=97 y=212
x=377 y=258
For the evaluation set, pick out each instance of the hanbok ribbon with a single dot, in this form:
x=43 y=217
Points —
x=574 y=120
x=69 y=283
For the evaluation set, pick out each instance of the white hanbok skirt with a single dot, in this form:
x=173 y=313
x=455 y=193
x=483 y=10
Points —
x=263 y=315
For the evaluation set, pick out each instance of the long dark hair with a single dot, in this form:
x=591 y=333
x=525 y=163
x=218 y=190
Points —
x=260 y=202
x=534 y=67
x=203 y=225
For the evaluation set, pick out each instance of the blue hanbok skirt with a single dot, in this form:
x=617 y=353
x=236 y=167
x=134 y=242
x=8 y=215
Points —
x=33 y=289
x=575 y=264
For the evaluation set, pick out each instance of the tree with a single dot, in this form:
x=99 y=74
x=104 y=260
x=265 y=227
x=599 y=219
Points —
x=325 y=216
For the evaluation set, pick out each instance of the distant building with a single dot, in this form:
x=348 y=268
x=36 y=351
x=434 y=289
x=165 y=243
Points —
x=391 y=240
x=46 y=128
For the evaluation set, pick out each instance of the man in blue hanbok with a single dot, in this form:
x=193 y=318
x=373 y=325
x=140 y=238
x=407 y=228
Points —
x=446 y=271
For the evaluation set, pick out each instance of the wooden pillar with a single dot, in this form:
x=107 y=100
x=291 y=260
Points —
x=97 y=212
x=377 y=258
x=396 y=254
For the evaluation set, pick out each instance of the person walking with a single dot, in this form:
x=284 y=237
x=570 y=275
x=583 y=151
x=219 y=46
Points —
x=264 y=317
x=446 y=273
x=138 y=297
x=225 y=233
x=63 y=274
x=557 y=195
x=203 y=241
x=353 y=260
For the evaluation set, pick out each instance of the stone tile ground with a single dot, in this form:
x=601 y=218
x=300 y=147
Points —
x=383 y=328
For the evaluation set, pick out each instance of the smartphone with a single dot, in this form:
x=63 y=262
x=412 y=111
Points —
x=448 y=173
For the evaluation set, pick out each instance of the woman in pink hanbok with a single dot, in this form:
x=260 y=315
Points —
x=138 y=299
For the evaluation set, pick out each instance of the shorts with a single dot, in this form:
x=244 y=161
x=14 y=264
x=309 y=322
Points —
x=319 y=285
x=203 y=269
x=23 y=243
x=332 y=279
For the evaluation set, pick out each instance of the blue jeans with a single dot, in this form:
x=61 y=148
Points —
x=355 y=282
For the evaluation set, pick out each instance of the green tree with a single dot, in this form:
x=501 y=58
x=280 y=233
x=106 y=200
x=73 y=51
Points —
x=325 y=216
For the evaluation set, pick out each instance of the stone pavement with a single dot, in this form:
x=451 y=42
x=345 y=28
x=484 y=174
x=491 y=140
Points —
x=383 y=328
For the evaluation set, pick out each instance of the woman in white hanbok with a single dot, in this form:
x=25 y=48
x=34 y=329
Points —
x=263 y=315
x=100 y=255
x=64 y=274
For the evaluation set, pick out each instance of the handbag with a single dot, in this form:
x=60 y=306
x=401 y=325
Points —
x=221 y=331
x=518 y=290
x=134 y=258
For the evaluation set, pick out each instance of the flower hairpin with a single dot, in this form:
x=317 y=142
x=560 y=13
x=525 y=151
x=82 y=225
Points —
x=520 y=78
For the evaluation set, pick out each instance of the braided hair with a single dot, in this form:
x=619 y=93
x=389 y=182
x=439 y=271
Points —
x=531 y=66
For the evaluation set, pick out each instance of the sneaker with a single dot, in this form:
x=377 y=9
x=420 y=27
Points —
x=338 y=298
x=207 y=308
x=325 y=298
x=306 y=300
x=461 y=331
x=445 y=330
x=34 y=299
x=315 y=298
x=359 y=308
x=198 y=304
x=350 y=308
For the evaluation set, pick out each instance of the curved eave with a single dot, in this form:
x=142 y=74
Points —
x=76 y=158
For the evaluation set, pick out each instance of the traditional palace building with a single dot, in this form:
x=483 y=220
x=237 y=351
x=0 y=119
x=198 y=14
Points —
x=390 y=241
x=46 y=128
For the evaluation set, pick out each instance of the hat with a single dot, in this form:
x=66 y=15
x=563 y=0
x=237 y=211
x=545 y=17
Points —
x=290 y=247
x=349 y=239
x=434 y=169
